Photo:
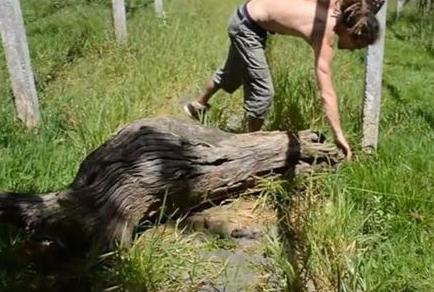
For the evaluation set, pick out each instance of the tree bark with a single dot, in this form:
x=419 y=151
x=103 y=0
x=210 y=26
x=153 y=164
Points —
x=153 y=166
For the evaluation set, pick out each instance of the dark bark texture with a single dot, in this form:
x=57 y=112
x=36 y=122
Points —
x=153 y=166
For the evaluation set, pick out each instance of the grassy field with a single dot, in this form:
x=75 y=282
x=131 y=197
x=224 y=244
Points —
x=366 y=227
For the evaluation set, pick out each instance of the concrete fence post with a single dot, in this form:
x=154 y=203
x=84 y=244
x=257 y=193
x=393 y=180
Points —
x=18 y=61
x=159 y=9
x=399 y=6
x=373 y=82
x=119 y=20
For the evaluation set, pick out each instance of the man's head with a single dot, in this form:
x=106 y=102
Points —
x=357 y=28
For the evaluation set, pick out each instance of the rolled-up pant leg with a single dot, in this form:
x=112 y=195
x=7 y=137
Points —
x=229 y=76
x=257 y=81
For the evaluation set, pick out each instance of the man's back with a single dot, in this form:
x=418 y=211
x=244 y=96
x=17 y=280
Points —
x=294 y=17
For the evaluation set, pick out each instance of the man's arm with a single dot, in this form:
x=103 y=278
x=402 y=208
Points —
x=323 y=60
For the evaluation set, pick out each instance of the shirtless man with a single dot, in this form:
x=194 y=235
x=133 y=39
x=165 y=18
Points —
x=318 y=22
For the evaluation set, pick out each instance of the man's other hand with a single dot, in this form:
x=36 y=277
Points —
x=342 y=144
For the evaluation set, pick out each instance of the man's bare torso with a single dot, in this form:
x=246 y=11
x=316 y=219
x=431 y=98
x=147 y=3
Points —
x=307 y=19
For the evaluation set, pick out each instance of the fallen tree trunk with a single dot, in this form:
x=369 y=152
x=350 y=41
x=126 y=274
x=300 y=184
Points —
x=157 y=163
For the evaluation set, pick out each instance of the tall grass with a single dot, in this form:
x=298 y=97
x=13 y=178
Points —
x=368 y=226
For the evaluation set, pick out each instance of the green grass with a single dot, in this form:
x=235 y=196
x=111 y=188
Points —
x=367 y=226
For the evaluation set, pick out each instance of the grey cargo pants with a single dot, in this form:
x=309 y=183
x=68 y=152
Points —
x=246 y=65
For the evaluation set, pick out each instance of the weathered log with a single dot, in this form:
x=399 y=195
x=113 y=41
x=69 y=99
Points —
x=157 y=163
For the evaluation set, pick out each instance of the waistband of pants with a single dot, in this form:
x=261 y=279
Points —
x=250 y=23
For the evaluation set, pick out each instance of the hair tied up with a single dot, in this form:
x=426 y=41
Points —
x=361 y=6
x=360 y=26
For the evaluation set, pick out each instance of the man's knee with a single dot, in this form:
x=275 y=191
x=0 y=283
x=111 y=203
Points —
x=226 y=80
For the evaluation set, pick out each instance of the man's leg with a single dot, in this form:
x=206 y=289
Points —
x=258 y=85
x=254 y=124
x=227 y=77
x=258 y=95
x=209 y=90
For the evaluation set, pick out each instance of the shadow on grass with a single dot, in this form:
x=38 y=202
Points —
x=427 y=116
x=394 y=91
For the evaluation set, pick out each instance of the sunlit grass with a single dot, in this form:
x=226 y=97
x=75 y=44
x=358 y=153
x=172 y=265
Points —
x=368 y=226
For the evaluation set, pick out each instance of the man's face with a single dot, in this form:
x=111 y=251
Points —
x=348 y=42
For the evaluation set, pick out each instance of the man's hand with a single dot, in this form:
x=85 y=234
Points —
x=342 y=144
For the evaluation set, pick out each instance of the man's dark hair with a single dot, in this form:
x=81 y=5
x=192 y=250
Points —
x=359 y=17
x=363 y=26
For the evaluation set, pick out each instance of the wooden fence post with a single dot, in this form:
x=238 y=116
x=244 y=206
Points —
x=18 y=61
x=158 y=6
x=373 y=80
x=120 y=20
